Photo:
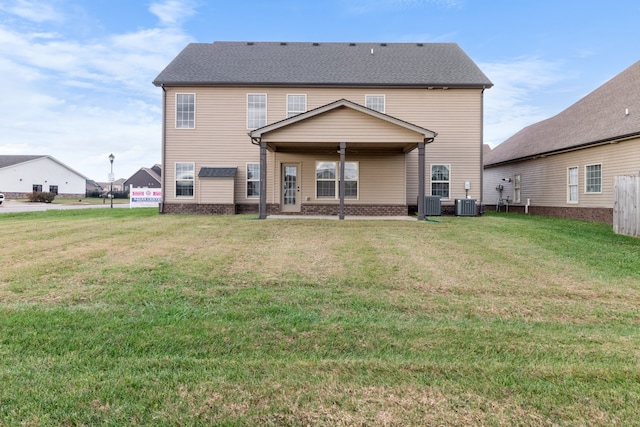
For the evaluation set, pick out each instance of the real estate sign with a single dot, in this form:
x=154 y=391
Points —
x=144 y=197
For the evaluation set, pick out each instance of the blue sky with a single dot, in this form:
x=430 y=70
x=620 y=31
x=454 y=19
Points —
x=76 y=75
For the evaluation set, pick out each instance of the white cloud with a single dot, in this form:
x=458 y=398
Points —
x=509 y=104
x=35 y=11
x=173 y=12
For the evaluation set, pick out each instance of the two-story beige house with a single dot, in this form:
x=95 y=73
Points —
x=320 y=128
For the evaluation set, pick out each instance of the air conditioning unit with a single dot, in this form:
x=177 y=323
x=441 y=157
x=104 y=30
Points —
x=466 y=207
x=432 y=206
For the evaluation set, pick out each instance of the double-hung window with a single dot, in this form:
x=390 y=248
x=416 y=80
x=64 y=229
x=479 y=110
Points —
x=440 y=181
x=256 y=110
x=296 y=104
x=253 y=180
x=572 y=185
x=593 y=178
x=328 y=182
x=375 y=102
x=185 y=110
x=185 y=179
x=517 y=183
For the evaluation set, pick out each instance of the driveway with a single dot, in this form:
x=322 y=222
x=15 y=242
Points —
x=11 y=206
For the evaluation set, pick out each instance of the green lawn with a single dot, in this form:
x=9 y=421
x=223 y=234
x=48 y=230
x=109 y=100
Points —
x=127 y=317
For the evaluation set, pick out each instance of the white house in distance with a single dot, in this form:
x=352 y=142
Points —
x=21 y=175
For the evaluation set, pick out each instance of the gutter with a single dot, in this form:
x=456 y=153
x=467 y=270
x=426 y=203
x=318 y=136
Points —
x=164 y=147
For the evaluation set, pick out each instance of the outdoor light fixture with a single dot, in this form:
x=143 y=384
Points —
x=111 y=157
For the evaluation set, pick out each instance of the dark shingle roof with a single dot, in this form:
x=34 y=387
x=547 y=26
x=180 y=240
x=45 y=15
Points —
x=10 y=160
x=598 y=117
x=217 y=172
x=323 y=64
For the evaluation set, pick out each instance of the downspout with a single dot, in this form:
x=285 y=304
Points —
x=482 y=150
x=164 y=147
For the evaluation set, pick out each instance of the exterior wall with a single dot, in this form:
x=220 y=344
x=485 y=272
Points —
x=220 y=137
x=216 y=191
x=17 y=181
x=544 y=181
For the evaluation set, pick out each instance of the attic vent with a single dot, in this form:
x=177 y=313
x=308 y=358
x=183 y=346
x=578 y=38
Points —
x=352 y=44
x=250 y=44
x=419 y=44
x=283 y=44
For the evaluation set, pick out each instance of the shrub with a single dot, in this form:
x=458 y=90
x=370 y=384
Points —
x=43 y=197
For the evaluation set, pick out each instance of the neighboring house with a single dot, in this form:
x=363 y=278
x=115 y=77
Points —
x=320 y=128
x=93 y=188
x=145 y=177
x=565 y=166
x=118 y=186
x=21 y=175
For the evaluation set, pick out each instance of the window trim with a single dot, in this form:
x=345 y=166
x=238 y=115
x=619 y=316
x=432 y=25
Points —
x=175 y=180
x=265 y=111
x=256 y=196
x=586 y=179
x=176 y=112
x=291 y=113
x=571 y=185
x=336 y=181
x=431 y=181
x=372 y=95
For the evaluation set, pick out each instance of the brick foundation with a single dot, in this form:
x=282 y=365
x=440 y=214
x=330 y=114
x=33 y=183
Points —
x=604 y=215
x=355 y=210
x=198 y=209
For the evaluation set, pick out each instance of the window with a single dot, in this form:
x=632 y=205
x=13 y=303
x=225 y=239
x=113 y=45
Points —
x=375 y=102
x=256 y=110
x=440 y=181
x=37 y=188
x=53 y=189
x=185 y=179
x=327 y=182
x=185 y=110
x=296 y=104
x=253 y=180
x=572 y=185
x=517 y=180
x=593 y=178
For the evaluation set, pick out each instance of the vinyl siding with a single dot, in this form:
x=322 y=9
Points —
x=216 y=190
x=544 y=181
x=220 y=136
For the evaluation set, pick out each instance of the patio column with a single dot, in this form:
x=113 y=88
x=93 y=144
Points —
x=421 y=176
x=262 y=209
x=343 y=146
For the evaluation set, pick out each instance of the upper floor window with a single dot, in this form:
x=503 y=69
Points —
x=593 y=178
x=572 y=185
x=186 y=110
x=375 y=102
x=440 y=181
x=256 y=110
x=296 y=104
x=185 y=179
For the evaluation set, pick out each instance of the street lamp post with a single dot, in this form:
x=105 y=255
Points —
x=111 y=157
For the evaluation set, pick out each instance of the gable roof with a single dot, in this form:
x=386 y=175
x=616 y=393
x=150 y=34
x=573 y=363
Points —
x=342 y=103
x=12 y=160
x=323 y=64
x=609 y=113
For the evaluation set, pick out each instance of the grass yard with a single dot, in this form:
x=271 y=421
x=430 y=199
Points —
x=126 y=317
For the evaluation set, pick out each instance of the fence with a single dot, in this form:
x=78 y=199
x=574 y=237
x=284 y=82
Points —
x=626 y=205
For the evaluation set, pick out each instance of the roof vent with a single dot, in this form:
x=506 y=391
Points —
x=283 y=44
x=316 y=44
x=352 y=44
x=420 y=44
x=383 y=44
x=250 y=44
